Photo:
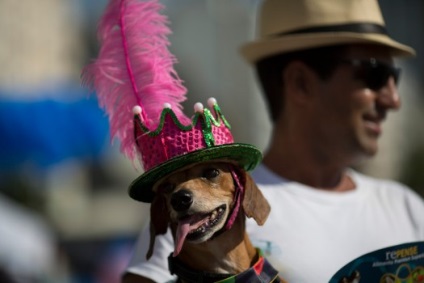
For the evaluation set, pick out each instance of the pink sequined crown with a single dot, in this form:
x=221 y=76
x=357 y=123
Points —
x=172 y=139
x=174 y=145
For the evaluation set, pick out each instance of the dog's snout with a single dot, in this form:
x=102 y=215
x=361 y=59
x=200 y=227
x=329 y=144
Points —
x=181 y=200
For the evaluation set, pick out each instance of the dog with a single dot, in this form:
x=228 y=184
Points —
x=206 y=207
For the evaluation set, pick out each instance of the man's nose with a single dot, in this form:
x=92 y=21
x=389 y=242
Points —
x=388 y=95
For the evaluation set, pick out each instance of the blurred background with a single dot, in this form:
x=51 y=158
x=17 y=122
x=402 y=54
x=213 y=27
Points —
x=65 y=215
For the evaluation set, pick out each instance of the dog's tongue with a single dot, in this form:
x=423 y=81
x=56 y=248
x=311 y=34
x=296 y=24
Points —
x=182 y=231
x=184 y=227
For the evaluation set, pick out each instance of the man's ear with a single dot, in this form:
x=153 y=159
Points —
x=299 y=81
x=254 y=203
x=159 y=220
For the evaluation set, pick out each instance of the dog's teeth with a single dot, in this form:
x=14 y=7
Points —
x=201 y=229
x=213 y=215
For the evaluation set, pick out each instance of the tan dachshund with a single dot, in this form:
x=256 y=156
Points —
x=206 y=212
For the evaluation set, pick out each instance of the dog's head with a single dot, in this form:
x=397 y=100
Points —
x=199 y=200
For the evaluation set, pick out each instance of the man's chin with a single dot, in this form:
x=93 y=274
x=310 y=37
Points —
x=368 y=144
x=365 y=150
x=369 y=149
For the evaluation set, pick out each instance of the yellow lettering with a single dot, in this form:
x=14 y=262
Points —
x=407 y=252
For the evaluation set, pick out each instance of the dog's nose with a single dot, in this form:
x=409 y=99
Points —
x=181 y=200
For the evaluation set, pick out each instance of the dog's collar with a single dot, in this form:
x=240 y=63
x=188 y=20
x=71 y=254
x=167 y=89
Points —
x=189 y=275
x=262 y=271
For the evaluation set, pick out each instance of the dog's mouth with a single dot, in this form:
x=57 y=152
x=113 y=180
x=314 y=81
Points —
x=197 y=227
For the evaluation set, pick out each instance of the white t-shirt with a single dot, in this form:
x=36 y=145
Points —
x=311 y=234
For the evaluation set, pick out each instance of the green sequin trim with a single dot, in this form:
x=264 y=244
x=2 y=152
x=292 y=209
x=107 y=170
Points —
x=207 y=120
x=219 y=114
x=207 y=128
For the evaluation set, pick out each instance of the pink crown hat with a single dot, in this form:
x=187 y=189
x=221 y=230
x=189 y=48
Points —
x=134 y=70
x=172 y=146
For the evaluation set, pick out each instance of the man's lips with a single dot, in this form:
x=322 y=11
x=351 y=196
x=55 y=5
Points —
x=373 y=127
x=373 y=123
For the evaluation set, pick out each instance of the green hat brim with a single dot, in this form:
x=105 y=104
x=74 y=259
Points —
x=245 y=155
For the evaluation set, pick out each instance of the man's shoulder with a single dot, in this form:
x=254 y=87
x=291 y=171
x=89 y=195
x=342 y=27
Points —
x=385 y=187
x=263 y=176
x=365 y=180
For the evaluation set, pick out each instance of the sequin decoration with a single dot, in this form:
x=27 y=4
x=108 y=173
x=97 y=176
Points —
x=173 y=145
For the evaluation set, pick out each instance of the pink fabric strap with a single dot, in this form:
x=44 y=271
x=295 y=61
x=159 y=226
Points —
x=238 y=197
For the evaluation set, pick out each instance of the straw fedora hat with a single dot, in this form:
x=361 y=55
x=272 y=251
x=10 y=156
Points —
x=291 y=25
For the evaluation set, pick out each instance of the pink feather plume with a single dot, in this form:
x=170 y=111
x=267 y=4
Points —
x=134 y=67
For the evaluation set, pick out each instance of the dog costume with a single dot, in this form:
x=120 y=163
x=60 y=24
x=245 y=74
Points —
x=137 y=86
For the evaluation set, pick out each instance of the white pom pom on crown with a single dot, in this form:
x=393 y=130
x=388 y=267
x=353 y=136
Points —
x=136 y=110
x=211 y=102
x=167 y=105
x=198 y=107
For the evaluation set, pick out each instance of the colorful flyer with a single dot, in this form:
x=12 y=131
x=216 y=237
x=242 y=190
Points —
x=397 y=264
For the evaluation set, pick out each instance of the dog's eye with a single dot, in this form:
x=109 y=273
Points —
x=210 y=173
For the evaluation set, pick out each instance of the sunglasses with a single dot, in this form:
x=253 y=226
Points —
x=373 y=73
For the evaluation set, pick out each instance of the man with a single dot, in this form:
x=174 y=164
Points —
x=326 y=68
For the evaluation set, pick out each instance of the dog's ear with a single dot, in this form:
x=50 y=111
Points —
x=254 y=203
x=159 y=220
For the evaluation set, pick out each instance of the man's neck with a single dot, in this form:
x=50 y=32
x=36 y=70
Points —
x=296 y=164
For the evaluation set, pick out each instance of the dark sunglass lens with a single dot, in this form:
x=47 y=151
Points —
x=378 y=75
x=373 y=73
x=396 y=74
